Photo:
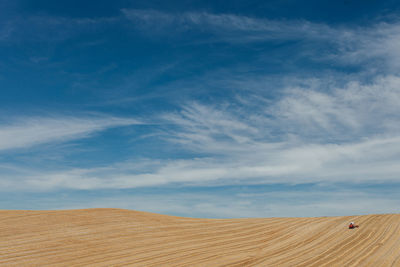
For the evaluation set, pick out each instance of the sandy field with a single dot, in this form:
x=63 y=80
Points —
x=115 y=237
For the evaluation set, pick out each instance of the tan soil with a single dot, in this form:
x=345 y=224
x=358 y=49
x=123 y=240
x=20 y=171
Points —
x=114 y=237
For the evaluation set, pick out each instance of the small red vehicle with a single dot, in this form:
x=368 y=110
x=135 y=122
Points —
x=352 y=225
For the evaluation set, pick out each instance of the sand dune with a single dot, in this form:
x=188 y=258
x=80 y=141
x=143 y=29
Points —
x=114 y=237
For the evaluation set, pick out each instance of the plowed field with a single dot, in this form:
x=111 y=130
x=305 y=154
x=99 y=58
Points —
x=114 y=237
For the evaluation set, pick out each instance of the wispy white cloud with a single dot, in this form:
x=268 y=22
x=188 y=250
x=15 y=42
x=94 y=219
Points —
x=29 y=131
x=374 y=47
x=357 y=109
x=231 y=27
x=308 y=136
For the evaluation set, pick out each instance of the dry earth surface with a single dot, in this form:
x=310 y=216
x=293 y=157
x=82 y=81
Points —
x=114 y=237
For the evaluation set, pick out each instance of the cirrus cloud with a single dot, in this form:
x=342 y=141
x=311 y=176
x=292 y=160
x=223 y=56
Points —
x=30 y=131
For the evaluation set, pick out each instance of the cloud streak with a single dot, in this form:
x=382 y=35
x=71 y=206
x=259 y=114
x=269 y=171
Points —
x=374 y=47
x=30 y=131
x=358 y=46
x=230 y=27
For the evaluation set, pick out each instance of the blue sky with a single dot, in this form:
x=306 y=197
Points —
x=201 y=108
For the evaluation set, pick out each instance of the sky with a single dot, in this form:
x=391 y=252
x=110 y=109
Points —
x=216 y=109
